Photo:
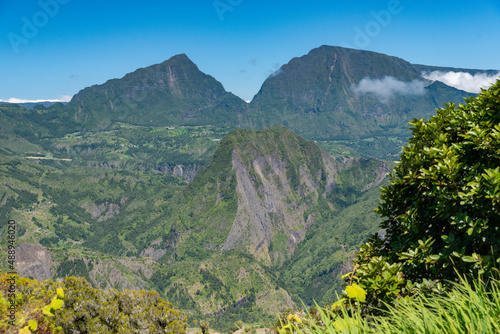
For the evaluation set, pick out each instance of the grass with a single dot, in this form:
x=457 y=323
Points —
x=465 y=309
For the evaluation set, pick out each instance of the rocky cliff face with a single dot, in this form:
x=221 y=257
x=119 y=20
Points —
x=186 y=171
x=33 y=260
x=272 y=216
x=260 y=194
x=270 y=209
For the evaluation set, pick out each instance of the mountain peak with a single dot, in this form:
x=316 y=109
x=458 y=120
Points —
x=172 y=92
x=180 y=58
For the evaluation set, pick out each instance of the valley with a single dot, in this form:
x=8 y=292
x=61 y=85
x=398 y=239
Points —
x=162 y=180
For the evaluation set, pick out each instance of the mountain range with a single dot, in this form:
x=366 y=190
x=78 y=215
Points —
x=232 y=210
x=315 y=95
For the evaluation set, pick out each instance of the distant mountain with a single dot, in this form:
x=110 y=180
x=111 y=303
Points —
x=174 y=92
x=32 y=105
x=427 y=68
x=318 y=95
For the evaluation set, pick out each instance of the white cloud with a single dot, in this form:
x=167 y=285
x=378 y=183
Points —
x=463 y=80
x=64 y=98
x=275 y=70
x=387 y=87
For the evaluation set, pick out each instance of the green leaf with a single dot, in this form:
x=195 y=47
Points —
x=33 y=325
x=469 y=259
x=25 y=330
x=47 y=310
x=56 y=303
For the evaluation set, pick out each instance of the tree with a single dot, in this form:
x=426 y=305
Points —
x=441 y=210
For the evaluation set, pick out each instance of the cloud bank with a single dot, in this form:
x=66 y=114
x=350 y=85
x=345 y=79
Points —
x=463 y=80
x=387 y=87
x=64 y=98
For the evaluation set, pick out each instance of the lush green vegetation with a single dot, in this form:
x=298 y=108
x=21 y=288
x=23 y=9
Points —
x=97 y=221
x=73 y=306
x=466 y=308
x=331 y=253
x=107 y=185
x=87 y=204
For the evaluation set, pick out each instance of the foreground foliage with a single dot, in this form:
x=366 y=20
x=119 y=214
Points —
x=72 y=306
x=466 y=308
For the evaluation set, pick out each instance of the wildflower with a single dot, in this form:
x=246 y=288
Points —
x=294 y=317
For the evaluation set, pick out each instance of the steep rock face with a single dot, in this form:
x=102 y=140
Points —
x=186 y=171
x=103 y=211
x=33 y=260
x=260 y=194
x=269 y=207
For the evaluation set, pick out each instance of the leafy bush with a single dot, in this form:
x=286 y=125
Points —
x=73 y=306
x=442 y=209
x=466 y=308
x=35 y=305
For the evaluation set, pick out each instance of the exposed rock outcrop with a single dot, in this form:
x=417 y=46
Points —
x=33 y=260
x=104 y=211
x=268 y=207
x=187 y=172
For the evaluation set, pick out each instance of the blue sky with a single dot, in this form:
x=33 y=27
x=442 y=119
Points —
x=50 y=49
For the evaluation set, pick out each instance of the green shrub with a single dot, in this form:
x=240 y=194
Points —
x=79 y=308
x=465 y=308
x=442 y=209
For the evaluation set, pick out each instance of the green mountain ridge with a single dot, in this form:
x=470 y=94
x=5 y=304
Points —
x=313 y=95
x=314 y=91
x=260 y=187
x=174 y=92
x=252 y=206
